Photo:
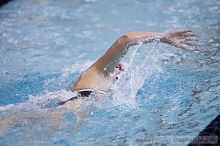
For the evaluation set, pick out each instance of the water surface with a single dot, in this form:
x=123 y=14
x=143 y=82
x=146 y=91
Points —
x=46 y=44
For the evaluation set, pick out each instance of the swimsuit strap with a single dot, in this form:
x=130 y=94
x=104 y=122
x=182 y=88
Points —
x=84 y=93
x=93 y=90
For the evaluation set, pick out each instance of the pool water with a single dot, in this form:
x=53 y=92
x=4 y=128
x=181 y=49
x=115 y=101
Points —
x=46 y=44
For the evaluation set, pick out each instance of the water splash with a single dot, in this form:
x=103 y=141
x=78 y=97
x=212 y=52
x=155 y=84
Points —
x=126 y=88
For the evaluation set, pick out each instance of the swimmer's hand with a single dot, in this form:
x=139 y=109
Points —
x=180 y=38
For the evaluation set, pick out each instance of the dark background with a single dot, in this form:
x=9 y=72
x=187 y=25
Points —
x=2 y=2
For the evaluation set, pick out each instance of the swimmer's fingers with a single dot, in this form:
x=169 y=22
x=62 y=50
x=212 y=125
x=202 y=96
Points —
x=183 y=31
x=190 y=34
x=191 y=39
x=181 y=38
x=190 y=43
x=186 y=33
x=179 y=35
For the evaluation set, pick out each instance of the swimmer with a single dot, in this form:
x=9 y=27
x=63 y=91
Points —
x=99 y=77
x=104 y=72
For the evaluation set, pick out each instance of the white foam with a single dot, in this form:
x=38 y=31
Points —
x=6 y=107
x=132 y=80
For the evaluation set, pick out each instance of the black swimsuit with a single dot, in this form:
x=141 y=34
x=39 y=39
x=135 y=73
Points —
x=80 y=94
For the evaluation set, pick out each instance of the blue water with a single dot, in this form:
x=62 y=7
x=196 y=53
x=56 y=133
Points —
x=46 y=44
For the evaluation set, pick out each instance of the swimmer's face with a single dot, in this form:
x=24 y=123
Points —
x=118 y=69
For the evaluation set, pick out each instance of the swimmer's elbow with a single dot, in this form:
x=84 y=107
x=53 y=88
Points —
x=124 y=39
x=128 y=38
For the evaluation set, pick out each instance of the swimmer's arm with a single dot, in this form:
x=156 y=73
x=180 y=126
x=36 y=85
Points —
x=179 y=38
x=110 y=59
x=106 y=64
